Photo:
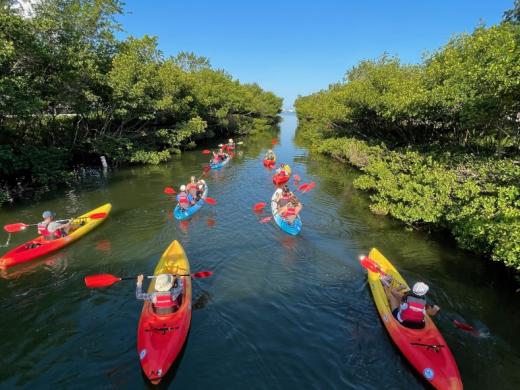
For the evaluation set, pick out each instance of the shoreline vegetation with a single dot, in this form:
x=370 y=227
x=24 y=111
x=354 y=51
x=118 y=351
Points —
x=437 y=143
x=70 y=92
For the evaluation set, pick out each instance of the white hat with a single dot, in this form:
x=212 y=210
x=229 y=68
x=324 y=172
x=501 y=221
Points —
x=183 y=188
x=163 y=282
x=231 y=140
x=420 y=289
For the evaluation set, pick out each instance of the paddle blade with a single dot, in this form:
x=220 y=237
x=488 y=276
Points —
x=202 y=274
x=240 y=143
x=463 y=326
x=370 y=265
x=266 y=219
x=206 y=151
x=309 y=187
x=101 y=280
x=303 y=187
x=169 y=191
x=259 y=206
x=274 y=141
x=210 y=201
x=206 y=169
x=97 y=215
x=15 y=227
x=297 y=178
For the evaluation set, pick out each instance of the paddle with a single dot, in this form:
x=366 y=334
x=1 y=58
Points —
x=274 y=141
x=210 y=201
x=372 y=266
x=297 y=178
x=169 y=191
x=259 y=206
x=17 y=227
x=206 y=151
x=105 y=280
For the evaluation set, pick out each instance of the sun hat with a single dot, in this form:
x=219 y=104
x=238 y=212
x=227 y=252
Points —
x=48 y=214
x=230 y=140
x=183 y=187
x=163 y=282
x=420 y=289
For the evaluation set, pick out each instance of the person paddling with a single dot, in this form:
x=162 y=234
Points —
x=281 y=171
x=270 y=155
x=201 y=186
x=168 y=288
x=51 y=229
x=184 y=199
x=230 y=145
x=291 y=210
x=409 y=307
x=285 y=197
x=191 y=187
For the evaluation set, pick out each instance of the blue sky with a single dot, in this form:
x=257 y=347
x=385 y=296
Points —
x=299 y=47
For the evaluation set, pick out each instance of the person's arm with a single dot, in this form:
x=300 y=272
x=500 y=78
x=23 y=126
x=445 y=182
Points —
x=177 y=290
x=139 y=290
x=397 y=293
x=432 y=310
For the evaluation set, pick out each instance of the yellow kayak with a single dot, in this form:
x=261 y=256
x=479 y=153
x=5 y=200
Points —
x=425 y=348
x=160 y=338
x=39 y=247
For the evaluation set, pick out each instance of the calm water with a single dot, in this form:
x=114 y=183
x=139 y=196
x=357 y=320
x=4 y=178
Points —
x=280 y=312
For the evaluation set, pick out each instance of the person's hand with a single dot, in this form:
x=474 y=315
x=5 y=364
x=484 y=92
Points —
x=436 y=308
x=140 y=279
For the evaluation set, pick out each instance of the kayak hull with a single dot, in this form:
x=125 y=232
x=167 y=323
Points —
x=160 y=338
x=220 y=164
x=40 y=247
x=182 y=215
x=436 y=365
x=269 y=163
x=281 y=179
x=293 y=229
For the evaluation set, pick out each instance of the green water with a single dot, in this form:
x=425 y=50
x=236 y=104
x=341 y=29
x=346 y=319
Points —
x=280 y=312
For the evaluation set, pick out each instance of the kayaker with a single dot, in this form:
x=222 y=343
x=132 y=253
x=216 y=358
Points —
x=281 y=171
x=285 y=196
x=291 y=210
x=230 y=145
x=184 y=199
x=270 y=155
x=216 y=158
x=191 y=187
x=409 y=307
x=52 y=230
x=168 y=288
x=201 y=186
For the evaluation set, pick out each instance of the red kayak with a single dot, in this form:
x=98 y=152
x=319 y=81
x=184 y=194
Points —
x=160 y=338
x=269 y=163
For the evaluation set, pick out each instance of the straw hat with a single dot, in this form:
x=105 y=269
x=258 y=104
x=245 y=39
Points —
x=163 y=282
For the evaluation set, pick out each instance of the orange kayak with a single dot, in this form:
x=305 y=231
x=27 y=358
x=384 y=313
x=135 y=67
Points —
x=39 y=247
x=160 y=338
x=425 y=349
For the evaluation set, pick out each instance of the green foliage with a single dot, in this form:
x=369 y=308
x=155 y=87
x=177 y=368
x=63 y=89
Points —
x=67 y=83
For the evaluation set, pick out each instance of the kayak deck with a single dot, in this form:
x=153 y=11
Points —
x=182 y=215
x=292 y=229
x=39 y=247
x=160 y=338
x=220 y=164
x=425 y=349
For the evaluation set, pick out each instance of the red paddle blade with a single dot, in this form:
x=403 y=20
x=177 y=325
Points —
x=274 y=141
x=211 y=201
x=303 y=187
x=463 y=326
x=97 y=215
x=370 y=265
x=297 y=178
x=169 y=191
x=266 y=219
x=206 y=151
x=15 y=227
x=202 y=274
x=101 y=280
x=259 y=206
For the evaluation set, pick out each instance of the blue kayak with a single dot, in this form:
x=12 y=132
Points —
x=292 y=229
x=181 y=215
x=220 y=164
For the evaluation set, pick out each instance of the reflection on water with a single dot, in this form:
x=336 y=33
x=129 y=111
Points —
x=279 y=311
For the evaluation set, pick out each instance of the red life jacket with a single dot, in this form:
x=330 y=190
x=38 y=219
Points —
x=164 y=301
x=191 y=186
x=42 y=230
x=289 y=212
x=183 y=199
x=415 y=310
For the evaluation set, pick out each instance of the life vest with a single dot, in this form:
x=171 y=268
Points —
x=289 y=212
x=183 y=199
x=191 y=186
x=415 y=311
x=42 y=230
x=164 y=304
x=284 y=200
